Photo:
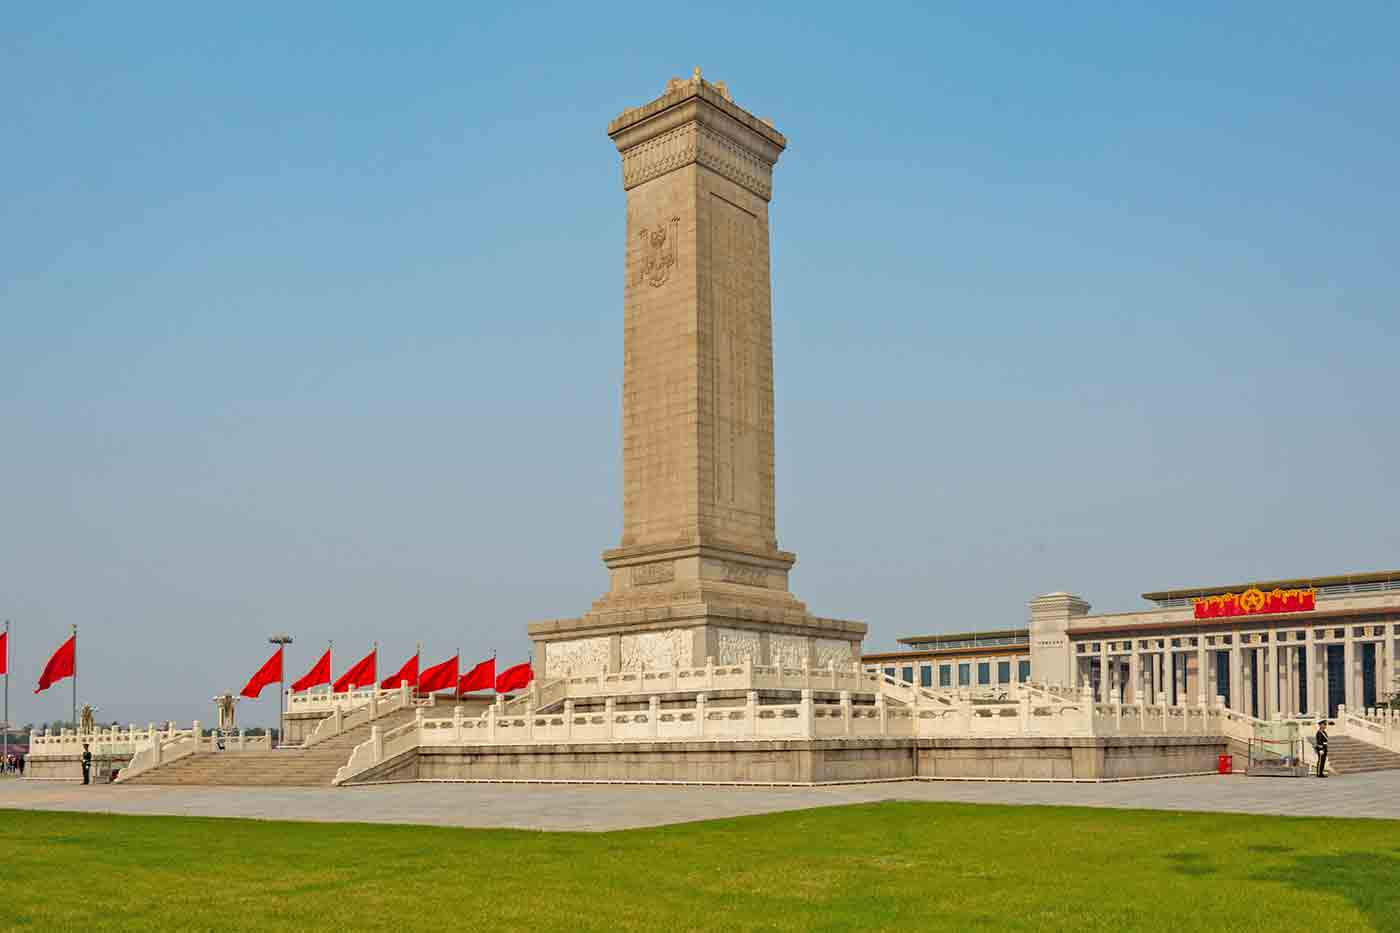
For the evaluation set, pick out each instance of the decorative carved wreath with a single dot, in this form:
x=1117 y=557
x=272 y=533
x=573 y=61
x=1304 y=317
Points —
x=1252 y=600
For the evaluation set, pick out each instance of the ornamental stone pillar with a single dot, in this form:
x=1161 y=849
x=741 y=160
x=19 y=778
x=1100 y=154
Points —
x=1052 y=656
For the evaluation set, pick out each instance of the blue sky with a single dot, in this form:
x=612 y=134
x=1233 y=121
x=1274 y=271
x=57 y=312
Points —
x=310 y=316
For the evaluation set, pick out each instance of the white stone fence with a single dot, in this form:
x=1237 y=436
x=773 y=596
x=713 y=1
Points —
x=324 y=701
x=700 y=721
x=114 y=742
x=1380 y=727
x=377 y=703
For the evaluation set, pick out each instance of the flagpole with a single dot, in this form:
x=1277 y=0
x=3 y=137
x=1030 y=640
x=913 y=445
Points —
x=5 y=755
x=75 y=679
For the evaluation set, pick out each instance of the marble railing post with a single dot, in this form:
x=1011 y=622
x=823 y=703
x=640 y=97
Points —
x=751 y=713
x=831 y=668
x=609 y=708
x=376 y=738
x=374 y=704
x=880 y=710
x=845 y=712
x=568 y=719
x=653 y=714
x=700 y=702
x=1023 y=714
x=710 y=671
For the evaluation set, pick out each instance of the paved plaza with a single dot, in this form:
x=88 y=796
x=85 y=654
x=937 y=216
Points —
x=600 y=808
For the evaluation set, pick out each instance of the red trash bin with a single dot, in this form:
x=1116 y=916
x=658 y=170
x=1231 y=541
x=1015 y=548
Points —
x=1226 y=764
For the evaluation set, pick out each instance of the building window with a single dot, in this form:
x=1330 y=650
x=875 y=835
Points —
x=964 y=675
x=1081 y=647
x=889 y=672
x=984 y=672
x=1003 y=672
x=1024 y=672
x=925 y=676
x=909 y=675
x=945 y=675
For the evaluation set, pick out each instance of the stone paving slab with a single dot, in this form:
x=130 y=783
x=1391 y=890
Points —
x=597 y=808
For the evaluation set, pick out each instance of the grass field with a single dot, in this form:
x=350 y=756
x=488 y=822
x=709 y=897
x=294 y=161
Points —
x=907 y=866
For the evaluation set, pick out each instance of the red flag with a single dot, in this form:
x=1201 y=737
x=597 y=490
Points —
x=408 y=672
x=63 y=664
x=320 y=673
x=514 y=678
x=362 y=674
x=4 y=652
x=269 y=673
x=481 y=677
x=438 y=677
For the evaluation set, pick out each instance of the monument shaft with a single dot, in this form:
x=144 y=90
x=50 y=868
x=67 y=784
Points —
x=698 y=572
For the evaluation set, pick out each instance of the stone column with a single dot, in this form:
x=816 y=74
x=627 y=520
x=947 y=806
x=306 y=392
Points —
x=1317 y=699
x=1353 y=697
x=1104 y=686
x=1235 y=699
x=1134 y=670
x=1202 y=682
x=1267 y=689
x=1386 y=675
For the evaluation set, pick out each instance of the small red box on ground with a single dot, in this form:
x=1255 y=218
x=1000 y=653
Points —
x=1226 y=764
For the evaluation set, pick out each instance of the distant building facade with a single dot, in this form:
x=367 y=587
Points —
x=1269 y=649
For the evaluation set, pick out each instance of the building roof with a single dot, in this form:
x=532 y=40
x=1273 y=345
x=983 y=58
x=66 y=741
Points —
x=1363 y=581
x=965 y=636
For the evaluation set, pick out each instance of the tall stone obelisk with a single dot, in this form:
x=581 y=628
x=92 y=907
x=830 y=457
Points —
x=698 y=572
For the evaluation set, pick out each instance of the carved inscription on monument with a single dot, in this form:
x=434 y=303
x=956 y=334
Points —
x=646 y=574
x=739 y=389
x=658 y=252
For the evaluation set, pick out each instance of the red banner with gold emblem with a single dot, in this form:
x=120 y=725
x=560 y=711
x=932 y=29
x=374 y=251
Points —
x=1254 y=601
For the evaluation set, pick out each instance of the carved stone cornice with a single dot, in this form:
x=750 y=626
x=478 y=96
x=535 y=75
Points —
x=695 y=124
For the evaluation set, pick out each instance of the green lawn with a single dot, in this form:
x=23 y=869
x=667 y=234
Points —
x=907 y=866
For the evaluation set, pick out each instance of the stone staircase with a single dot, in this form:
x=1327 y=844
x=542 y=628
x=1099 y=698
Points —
x=291 y=766
x=1352 y=756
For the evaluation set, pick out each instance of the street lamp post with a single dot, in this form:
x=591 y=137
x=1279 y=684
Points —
x=282 y=641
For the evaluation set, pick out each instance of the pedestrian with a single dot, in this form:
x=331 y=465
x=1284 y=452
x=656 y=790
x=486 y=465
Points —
x=1320 y=744
x=87 y=764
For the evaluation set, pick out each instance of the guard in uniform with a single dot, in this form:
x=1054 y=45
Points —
x=1320 y=744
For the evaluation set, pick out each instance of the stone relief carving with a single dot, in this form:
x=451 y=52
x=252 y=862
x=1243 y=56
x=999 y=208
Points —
x=646 y=574
x=693 y=143
x=657 y=650
x=736 y=646
x=722 y=155
x=787 y=650
x=580 y=656
x=833 y=649
x=658 y=252
x=742 y=573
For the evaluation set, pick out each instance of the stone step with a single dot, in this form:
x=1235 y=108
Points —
x=286 y=767
x=1353 y=756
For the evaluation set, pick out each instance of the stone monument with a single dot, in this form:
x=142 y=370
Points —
x=698 y=573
